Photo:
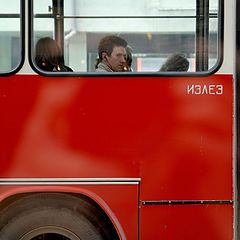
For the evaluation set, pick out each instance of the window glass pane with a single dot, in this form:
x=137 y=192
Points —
x=10 y=36
x=155 y=30
x=213 y=33
x=10 y=6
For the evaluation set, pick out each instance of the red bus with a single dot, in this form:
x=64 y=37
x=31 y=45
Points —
x=146 y=154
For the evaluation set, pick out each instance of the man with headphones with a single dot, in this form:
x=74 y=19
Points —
x=111 y=54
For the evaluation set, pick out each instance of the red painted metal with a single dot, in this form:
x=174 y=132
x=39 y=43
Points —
x=187 y=222
x=175 y=133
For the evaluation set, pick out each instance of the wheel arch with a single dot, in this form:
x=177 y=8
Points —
x=88 y=196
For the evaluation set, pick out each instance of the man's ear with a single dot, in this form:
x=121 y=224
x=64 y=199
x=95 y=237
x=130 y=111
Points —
x=104 y=56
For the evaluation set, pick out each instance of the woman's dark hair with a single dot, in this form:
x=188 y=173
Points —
x=129 y=56
x=48 y=55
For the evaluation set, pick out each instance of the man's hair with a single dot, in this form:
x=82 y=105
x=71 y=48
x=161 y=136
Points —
x=175 y=63
x=107 y=44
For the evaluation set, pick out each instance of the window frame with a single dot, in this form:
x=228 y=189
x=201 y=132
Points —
x=214 y=69
x=21 y=37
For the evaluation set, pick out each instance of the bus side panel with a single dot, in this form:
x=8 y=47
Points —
x=190 y=141
x=208 y=222
x=174 y=133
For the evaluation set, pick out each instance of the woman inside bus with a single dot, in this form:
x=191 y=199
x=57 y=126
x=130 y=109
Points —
x=128 y=65
x=49 y=57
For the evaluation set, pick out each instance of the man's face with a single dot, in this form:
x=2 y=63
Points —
x=117 y=60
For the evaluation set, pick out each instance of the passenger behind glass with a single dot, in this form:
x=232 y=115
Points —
x=49 y=57
x=128 y=65
x=177 y=62
x=111 y=54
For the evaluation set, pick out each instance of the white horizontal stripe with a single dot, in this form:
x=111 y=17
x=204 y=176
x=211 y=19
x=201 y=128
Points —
x=68 y=181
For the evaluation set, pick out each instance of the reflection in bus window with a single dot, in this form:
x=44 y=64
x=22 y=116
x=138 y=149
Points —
x=154 y=30
x=10 y=36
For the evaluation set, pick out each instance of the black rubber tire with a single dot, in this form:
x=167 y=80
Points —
x=68 y=215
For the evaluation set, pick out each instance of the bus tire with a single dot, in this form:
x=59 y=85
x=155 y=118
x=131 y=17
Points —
x=65 y=215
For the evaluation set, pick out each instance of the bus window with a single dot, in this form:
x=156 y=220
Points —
x=10 y=36
x=155 y=30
